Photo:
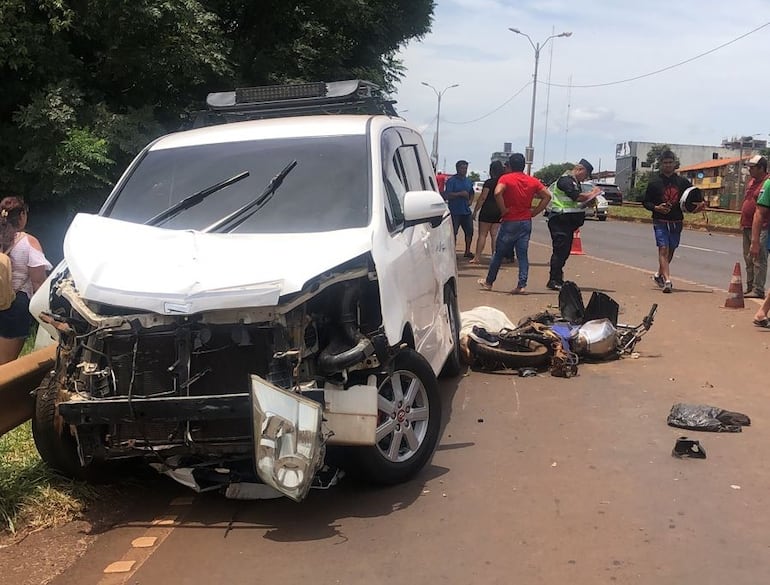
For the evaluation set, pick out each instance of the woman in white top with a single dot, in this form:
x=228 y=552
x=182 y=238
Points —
x=29 y=266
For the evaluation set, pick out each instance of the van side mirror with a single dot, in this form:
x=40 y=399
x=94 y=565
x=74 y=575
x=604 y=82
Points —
x=424 y=207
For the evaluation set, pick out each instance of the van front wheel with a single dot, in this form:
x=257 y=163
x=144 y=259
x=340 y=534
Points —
x=408 y=421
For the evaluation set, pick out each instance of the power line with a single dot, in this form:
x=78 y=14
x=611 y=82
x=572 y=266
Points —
x=505 y=103
x=722 y=46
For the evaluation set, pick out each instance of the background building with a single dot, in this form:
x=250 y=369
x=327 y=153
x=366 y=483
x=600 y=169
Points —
x=631 y=157
x=502 y=155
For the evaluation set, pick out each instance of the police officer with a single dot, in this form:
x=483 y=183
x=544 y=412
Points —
x=566 y=215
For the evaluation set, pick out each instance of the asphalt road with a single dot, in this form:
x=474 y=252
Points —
x=702 y=258
x=536 y=480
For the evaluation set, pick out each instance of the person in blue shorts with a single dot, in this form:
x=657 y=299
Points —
x=662 y=197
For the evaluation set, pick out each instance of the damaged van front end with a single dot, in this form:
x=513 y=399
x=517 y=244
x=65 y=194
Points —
x=203 y=393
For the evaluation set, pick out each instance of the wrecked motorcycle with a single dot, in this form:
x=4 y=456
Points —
x=560 y=340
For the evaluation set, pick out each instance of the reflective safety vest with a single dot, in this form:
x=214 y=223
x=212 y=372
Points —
x=563 y=203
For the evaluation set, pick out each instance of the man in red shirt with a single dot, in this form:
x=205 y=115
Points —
x=514 y=194
x=441 y=181
x=756 y=266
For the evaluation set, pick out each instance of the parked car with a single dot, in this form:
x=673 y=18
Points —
x=598 y=208
x=478 y=186
x=250 y=293
x=612 y=194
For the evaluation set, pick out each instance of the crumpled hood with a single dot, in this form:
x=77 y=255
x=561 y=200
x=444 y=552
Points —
x=182 y=272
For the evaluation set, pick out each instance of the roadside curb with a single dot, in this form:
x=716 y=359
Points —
x=692 y=227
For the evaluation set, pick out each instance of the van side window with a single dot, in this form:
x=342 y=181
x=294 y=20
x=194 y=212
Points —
x=412 y=175
x=392 y=179
x=427 y=173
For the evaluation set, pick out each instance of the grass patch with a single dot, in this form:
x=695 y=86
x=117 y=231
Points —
x=692 y=220
x=32 y=495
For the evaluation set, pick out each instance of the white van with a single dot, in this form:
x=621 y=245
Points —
x=250 y=293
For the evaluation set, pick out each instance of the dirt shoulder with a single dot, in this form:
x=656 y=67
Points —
x=57 y=548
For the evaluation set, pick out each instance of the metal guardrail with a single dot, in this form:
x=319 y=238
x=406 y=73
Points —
x=17 y=379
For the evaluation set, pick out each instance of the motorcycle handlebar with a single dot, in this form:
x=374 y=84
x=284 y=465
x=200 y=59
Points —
x=647 y=321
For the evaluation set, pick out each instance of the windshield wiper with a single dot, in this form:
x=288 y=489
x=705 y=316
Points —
x=193 y=200
x=237 y=217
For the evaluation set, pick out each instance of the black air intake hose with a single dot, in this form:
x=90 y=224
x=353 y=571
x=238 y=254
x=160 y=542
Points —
x=362 y=347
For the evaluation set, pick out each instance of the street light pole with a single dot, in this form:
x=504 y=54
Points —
x=434 y=153
x=530 y=153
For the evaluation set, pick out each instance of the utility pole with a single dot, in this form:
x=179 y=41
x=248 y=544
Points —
x=529 y=154
x=434 y=153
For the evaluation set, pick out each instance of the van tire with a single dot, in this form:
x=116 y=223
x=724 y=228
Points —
x=414 y=425
x=56 y=445
x=453 y=365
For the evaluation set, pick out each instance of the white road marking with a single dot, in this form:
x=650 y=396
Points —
x=702 y=249
x=636 y=268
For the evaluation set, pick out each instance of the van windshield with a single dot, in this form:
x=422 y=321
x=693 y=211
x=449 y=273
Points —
x=327 y=190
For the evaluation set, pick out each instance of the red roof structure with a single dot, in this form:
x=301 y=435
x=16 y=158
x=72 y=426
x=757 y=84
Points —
x=712 y=164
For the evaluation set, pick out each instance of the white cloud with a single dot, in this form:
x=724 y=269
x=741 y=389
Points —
x=701 y=102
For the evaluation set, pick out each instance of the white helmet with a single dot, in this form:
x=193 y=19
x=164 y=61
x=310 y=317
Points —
x=687 y=202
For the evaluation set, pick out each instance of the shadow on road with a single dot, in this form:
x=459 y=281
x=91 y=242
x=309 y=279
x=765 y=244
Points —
x=146 y=494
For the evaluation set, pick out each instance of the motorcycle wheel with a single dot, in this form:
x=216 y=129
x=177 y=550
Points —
x=408 y=422
x=537 y=355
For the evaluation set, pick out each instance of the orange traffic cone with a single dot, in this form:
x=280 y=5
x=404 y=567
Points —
x=735 y=291
x=577 y=245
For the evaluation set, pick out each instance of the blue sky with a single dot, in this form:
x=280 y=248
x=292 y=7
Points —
x=723 y=94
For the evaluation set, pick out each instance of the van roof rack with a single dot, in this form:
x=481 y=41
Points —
x=353 y=96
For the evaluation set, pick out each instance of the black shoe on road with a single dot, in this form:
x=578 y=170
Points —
x=553 y=285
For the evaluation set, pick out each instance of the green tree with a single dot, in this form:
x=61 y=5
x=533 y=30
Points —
x=651 y=165
x=549 y=173
x=474 y=176
x=87 y=83
x=275 y=41
x=653 y=156
x=640 y=186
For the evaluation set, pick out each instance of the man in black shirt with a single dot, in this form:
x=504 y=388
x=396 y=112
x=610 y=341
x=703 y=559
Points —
x=662 y=198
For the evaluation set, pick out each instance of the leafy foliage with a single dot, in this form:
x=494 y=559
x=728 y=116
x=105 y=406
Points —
x=87 y=83
x=641 y=178
x=640 y=186
x=653 y=156
x=549 y=173
x=275 y=41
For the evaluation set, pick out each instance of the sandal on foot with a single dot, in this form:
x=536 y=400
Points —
x=762 y=322
x=519 y=291
x=484 y=284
